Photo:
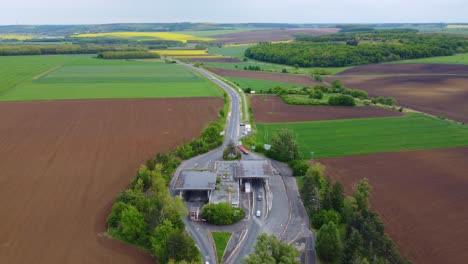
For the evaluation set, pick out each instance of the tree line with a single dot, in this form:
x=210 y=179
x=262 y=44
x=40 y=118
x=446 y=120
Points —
x=347 y=49
x=147 y=215
x=364 y=239
x=113 y=55
x=50 y=49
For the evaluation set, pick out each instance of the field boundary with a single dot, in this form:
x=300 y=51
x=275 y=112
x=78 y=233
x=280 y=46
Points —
x=45 y=73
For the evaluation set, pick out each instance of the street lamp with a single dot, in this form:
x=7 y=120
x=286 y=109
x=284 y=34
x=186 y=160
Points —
x=312 y=157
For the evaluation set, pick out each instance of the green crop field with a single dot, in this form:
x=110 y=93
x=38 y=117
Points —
x=359 y=136
x=84 y=77
x=221 y=240
x=229 y=51
x=258 y=85
x=455 y=59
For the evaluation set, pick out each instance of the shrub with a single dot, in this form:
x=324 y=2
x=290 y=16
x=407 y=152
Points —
x=323 y=217
x=222 y=214
x=341 y=100
x=316 y=94
x=299 y=167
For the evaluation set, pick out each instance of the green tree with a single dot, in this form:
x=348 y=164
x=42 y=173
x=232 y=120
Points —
x=160 y=238
x=323 y=217
x=299 y=167
x=180 y=247
x=269 y=250
x=353 y=247
x=337 y=197
x=283 y=146
x=328 y=244
x=132 y=226
x=362 y=194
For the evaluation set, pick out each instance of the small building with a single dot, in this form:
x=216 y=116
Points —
x=253 y=170
x=195 y=185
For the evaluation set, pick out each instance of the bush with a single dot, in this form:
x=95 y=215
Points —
x=325 y=216
x=222 y=214
x=384 y=100
x=341 y=100
x=299 y=167
x=316 y=94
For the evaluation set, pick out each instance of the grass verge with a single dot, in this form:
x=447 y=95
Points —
x=221 y=240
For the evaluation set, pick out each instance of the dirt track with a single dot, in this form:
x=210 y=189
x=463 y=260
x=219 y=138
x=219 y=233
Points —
x=422 y=198
x=273 y=110
x=271 y=35
x=63 y=163
x=269 y=76
x=440 y=95
x=403 y=68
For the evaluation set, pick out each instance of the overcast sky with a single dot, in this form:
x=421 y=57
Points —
x=288 y=11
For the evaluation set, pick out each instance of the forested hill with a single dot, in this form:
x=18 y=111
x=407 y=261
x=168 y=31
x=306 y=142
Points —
x=346 y=49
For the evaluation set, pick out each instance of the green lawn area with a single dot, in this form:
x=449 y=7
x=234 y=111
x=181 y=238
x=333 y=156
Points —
x=455 y=59
x=221 y=240
x=85 y=77
x=258 y=85
x=370 y=135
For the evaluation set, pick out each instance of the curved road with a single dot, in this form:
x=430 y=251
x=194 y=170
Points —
x=282 y=196
x=200 y=236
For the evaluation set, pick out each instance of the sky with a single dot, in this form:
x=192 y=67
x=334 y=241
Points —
x=231 y=11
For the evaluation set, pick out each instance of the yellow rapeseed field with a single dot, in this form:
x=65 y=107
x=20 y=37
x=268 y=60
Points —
x=458 y=26
x=173 y=52
x=15 y=36
x=157 y=35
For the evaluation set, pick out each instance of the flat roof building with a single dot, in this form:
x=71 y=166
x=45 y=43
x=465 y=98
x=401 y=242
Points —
x=197 y=181
x=253 y=169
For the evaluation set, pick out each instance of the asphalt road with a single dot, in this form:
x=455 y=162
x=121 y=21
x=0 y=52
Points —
x=282 y=212
x=201 y=235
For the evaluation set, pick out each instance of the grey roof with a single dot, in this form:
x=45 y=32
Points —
x=254 y=169
x=196 y=180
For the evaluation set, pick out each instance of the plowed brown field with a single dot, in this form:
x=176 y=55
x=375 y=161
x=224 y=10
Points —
x=440 y=95
x=63 y=162
x=269 y=76
x=371 y=69
x=421 y=196
x=272 y=109
x=271 y=35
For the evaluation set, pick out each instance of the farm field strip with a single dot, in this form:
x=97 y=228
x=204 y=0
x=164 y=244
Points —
x=271 y=109
x=418 y=194
x=455 y=59
x=268 y=76
x=143 y=35
x=80 y=155
x=84 y=77
x=369 y=135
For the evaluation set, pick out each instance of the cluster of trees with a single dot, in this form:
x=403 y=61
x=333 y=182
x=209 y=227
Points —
x=269 y=250
x=252 y=68
x=364 y=239
x=48 y=49
x=113 y=55
x=222 y=214
x=346 y=49
x=283 y=146
x=337 y=93
x=148 y=216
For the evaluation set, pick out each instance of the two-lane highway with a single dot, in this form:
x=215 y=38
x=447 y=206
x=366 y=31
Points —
x=203 y=161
